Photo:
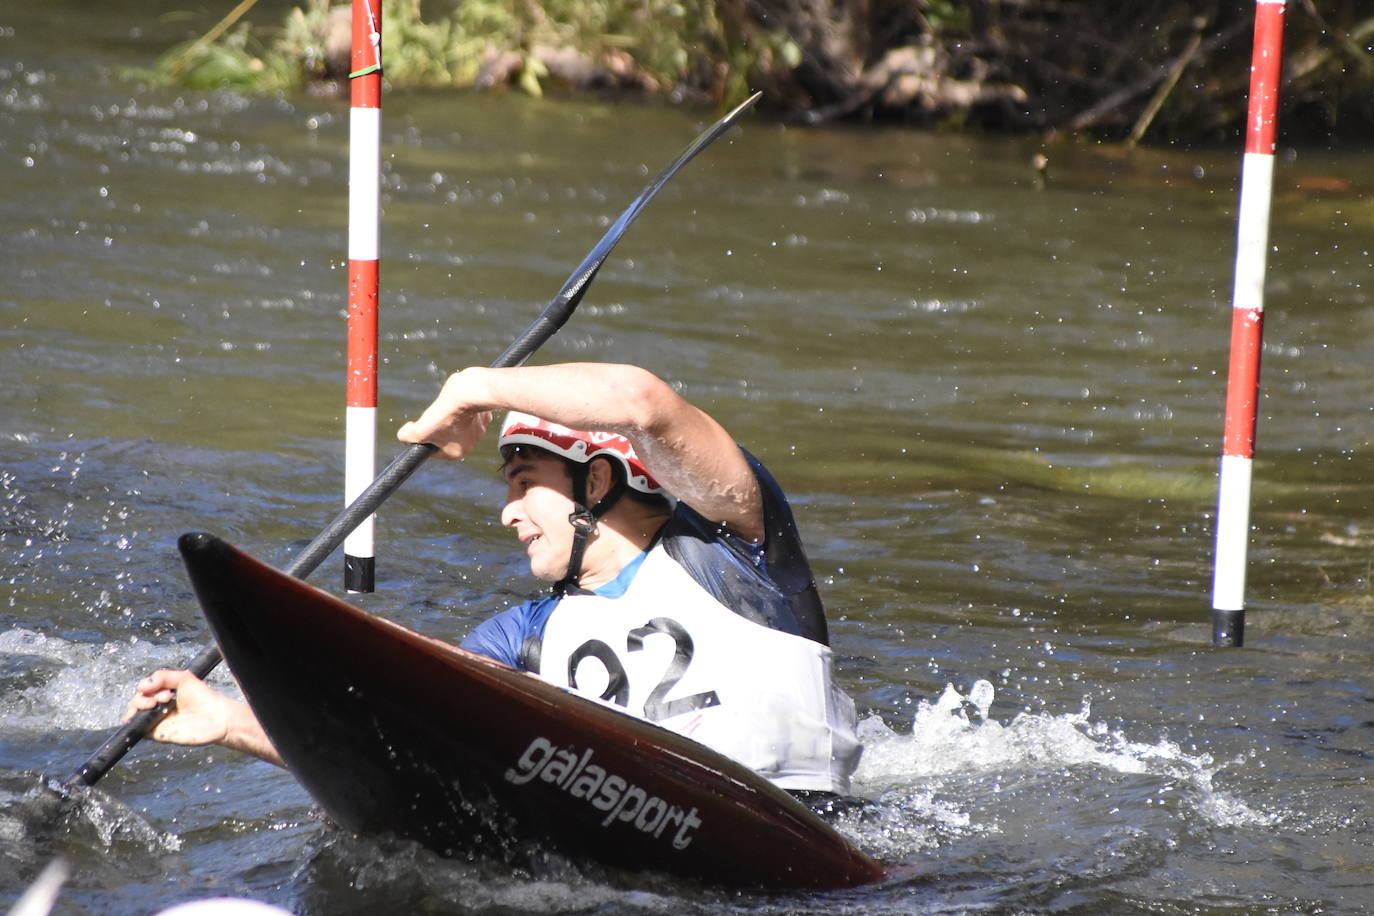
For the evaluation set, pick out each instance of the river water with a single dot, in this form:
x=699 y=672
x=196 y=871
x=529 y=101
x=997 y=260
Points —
x=996 y=403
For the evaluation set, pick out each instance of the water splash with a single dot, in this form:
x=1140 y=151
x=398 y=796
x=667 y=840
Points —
x=54 y=683
x=111 y=822
x=962 y=773
x=39 y=818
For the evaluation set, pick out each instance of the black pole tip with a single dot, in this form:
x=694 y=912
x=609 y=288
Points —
x=1228 y=628
x=360 y=574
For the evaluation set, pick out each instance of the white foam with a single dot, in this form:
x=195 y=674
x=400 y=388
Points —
x=929 y=784
x=89 y=685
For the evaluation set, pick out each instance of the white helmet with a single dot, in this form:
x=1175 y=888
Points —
x=578 y=445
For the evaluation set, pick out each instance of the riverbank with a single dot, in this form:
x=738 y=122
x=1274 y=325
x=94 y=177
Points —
x=1157 y=73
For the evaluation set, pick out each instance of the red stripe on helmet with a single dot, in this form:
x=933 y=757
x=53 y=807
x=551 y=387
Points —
x=578 y=445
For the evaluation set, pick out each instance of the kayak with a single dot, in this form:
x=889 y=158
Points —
x=396 y=733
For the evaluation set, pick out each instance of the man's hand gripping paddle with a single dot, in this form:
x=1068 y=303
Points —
x=555 y=314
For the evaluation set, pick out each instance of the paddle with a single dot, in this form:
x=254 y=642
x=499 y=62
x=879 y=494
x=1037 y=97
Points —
x=554 y=316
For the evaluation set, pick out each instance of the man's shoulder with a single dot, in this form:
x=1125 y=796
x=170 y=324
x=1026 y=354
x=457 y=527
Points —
x=773 y=503
x=503 y=637
x=770 y=581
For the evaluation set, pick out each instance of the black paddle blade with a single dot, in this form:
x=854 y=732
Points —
x=557 y=312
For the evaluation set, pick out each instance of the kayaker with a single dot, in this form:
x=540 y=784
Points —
x=681 y=590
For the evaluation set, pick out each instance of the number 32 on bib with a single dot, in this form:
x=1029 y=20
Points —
x=675 y=656
x=615 y=671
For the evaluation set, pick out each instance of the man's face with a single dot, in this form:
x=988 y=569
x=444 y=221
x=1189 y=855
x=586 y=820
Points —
x=538 y=503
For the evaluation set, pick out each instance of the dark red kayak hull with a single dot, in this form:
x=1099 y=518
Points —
x=392 y=732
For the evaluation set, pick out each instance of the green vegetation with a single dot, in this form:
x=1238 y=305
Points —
x=1134 y=70
x=650 y=46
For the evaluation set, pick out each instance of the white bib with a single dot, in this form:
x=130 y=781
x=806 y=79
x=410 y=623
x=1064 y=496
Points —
x=669 y=652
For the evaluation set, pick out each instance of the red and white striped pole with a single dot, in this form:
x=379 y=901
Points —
x=1247 y=324
x=364 y=229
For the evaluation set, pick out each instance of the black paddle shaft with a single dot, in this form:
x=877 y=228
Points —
x=554 y=316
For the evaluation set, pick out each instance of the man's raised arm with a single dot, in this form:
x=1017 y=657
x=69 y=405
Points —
x=685 y=449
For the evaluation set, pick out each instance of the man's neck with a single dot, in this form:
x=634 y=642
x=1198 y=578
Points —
x=620 y=537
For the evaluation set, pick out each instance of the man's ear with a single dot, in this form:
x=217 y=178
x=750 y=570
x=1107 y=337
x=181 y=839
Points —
x=600 y=479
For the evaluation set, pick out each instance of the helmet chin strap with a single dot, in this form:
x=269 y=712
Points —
x=583 y=521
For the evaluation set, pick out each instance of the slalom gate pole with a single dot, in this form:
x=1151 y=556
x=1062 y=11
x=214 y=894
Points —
x=1247 y=325
x=364 y=229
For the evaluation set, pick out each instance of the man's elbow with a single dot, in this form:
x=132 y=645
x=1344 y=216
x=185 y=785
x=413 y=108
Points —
x=647 y=403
